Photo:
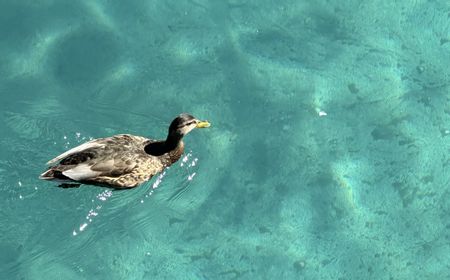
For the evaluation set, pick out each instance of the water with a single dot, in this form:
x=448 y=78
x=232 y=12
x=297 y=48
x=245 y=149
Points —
x=327 y=158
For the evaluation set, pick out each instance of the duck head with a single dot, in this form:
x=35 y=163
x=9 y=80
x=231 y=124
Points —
x=182 y=125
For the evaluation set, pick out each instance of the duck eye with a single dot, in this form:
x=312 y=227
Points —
x=186 y=124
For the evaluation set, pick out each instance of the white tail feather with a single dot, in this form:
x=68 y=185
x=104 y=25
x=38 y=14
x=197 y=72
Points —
x=81 y=172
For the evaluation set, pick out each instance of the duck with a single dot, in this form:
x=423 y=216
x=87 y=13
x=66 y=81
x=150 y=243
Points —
x=121 y=161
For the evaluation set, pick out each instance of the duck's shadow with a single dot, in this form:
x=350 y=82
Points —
x=68 y=186
x=76 y=185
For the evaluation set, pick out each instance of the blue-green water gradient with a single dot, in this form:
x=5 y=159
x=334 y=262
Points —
x=328 y=155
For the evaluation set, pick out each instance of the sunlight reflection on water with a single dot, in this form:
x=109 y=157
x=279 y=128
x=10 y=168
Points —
x=94 y=212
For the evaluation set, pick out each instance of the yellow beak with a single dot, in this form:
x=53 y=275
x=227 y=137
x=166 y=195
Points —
x=203 y=124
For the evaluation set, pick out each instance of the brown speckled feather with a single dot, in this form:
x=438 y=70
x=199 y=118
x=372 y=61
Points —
x=119 y=161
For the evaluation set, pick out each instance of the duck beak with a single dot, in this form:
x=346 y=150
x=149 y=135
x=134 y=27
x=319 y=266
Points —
x=203 y=124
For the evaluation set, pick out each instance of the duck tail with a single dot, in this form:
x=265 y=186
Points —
x=48 y=175
x=52 y=174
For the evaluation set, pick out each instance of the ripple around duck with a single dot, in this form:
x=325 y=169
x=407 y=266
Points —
x=108 y=207
x=94 y=210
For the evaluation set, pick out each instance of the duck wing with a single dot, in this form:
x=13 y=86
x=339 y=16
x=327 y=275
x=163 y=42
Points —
x=97 y=143
x=112 y=156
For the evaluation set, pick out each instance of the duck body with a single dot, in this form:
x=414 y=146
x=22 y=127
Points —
x=120 y=161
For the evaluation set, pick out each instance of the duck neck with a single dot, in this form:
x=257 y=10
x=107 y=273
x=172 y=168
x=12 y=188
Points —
x=173 y=141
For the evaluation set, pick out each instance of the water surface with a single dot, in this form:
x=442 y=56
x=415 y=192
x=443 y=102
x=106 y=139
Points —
x=327 y=158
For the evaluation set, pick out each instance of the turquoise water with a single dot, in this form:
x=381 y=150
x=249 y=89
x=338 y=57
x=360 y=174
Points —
x=328 y=157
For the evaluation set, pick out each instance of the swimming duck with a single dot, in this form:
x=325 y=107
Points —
x=124 y=160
